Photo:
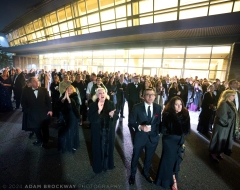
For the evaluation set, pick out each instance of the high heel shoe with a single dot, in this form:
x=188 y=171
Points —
x=174 y=186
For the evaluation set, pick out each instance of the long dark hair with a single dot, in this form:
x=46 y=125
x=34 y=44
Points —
x=171 y=109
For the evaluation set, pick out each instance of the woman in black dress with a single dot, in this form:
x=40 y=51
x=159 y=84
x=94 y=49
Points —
x=173 y=91
x=102 y=116
x=55 y=94
x=175 y=125
x=112 y=90
x=208 y=111
x=5 y=92
x=69 y=108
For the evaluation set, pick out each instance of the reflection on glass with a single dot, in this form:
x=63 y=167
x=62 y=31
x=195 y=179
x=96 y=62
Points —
x=153 y=53
x=198 y=52
x=192 y=13
x=174 y=52
x=145 y=6
x=220 y=8
x=172 y=63
x=163 y=4
x=197 y=63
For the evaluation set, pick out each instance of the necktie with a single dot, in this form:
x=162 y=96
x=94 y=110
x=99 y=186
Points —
x=149 y=114
x=35 y=89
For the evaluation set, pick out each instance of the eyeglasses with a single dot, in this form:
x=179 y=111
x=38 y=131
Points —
x=149 y=95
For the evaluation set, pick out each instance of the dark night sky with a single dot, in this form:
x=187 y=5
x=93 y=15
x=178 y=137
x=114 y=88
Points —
x=12 y=9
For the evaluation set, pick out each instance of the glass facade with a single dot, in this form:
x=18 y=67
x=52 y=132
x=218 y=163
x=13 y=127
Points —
x=88 y=16
x=209 y=62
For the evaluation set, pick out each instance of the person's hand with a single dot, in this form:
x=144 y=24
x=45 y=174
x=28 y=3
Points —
x=145 y=128
x=100 y=106
x=178 y=93
x=120 y=88
x=111 y=113
x=50 y=113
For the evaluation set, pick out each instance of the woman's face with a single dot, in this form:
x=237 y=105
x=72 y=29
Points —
x=101 y=95
x=99 y=81
x=147 y=84
x=175 y=85
x=70 y=90
x=231 y=98
x=159 y=85
x=66 y=78
x=111 y=79
x=178 y=106
x=211 y=88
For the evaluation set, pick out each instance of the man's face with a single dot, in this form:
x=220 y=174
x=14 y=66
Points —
x=234 y=85
x=149 y=97
x=136 y=79
x=34 y=83
x=18 y=71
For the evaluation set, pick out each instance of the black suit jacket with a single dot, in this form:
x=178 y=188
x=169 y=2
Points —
x=20 y=81
x=36 y=108
x=139 y=117
x=133 y=93
x=184 y=92
x=121 y=93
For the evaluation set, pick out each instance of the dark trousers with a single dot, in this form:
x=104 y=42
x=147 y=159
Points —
x=18 y=96
x=120 y=107
x=139 y=145
x=42 y=133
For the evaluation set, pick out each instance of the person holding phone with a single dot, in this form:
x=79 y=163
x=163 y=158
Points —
x=102 y=116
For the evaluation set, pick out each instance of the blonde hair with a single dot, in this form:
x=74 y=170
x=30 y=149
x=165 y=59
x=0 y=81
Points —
x=74 y=89
x=225 y=95
x=94 y=98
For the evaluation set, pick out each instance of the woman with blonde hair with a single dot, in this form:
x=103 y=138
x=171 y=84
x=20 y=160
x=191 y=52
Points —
x=69 y=115
x=225 y=126
x=102 y=117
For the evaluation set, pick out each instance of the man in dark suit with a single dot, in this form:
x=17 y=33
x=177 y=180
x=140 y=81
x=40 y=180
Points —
x=233 y=85
x=166 y=85
x=183 y=88
x=37 y=105
x=145 y=119
x=121 y=88
x=18 y=83
x=133 y=93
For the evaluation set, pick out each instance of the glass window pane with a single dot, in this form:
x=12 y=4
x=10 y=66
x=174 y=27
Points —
x=98 y=62
x=109 y=53
x=122 y=53
x=122 y=24
x=84 y=21
x=236 y=6
x=121 y=69
x=152 y=62
x=146 y=20
x=61 y=15
x=135 y=62
x=129 y=10
x=145 y=6
x=40 y=23
x=218 y=64
x=135 y=8
x=109 y=62
x=106 y=3
x=63 y=26
x=55 y=29
x=39 y=35
x=95 y=29
x=173 y=63
x=221 y=52
x=136 y=53
x=119 y=1
x=198 y=12
x=193 y=73
x=30 y=28
x=121 y=62
x=68 y=12
x=87 y=54
x=109 y=26
x=153 y=53
x=36 y=26
x=132 y=70
x=163 y=4
x=85 y=31
x=198 y=52
x=97 y=54
x=93 y=18
x=81 y=8
x=197 y=63
x=53 y=18
x=92 y=5
x=170 y=72
x=70 y=25
x=47 y=20
x=108 y=69
x=120 y=11
x=64 y=35
x=221 y=75
x=187 y=2
x=107 y=15
x=174 y=52
x=165 y=17
x=220 y=8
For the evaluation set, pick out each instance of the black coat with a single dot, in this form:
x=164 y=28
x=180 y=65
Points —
x=121 y=93
x=133 y=93
x=36 y=108
x=184 y=93
x=20 y=81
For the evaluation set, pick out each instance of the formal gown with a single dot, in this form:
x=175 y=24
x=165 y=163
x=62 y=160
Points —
x=5 y=95
x=102 y=135
x=174 y=128
x=69 y=115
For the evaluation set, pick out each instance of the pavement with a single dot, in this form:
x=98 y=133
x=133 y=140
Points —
x=24 y=166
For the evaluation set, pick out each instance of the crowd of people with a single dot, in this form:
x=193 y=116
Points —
x=156 y=105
